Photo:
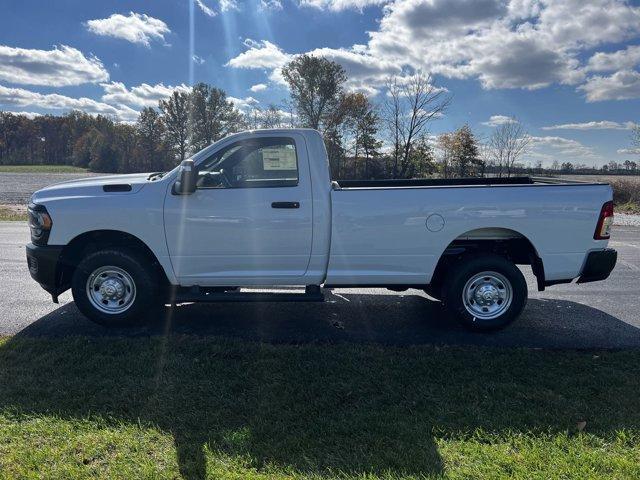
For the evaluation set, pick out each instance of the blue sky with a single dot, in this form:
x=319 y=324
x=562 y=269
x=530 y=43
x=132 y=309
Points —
x=569 y=70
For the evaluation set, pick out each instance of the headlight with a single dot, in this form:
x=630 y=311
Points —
x=39 y=223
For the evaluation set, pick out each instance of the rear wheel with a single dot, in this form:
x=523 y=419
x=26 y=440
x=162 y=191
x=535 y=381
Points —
x=113 y=288
x=485 y=293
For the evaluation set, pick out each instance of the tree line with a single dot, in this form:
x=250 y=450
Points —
x=389 y=139
x=161 y=137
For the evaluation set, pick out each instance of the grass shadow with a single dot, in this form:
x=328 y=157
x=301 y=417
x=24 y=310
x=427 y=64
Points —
x=313 y=399
x=318 y=410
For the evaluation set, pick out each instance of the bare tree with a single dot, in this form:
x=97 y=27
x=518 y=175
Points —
x=411 y=104
x=272 y=117
x=290 y=118
x=253 y=117
x=507 y=145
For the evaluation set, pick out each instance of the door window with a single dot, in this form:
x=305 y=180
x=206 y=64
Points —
x=268 y=162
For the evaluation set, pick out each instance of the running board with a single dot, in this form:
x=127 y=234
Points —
x=311 y=295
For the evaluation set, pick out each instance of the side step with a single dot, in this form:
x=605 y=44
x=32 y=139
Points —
x=312 y=294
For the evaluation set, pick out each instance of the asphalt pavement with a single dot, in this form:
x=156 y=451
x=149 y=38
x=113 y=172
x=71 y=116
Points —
x=596 y=315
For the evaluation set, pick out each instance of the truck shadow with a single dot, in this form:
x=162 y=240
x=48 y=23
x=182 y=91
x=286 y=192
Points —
x=407 y=319
x=318 y=410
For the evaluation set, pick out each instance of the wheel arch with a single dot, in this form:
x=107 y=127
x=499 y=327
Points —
x=506 y=242
x=73 y=253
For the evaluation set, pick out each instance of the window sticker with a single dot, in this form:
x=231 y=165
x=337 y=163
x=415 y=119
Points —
x=279 y=158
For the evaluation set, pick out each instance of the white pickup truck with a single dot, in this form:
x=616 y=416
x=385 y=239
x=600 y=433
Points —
x=259 y=209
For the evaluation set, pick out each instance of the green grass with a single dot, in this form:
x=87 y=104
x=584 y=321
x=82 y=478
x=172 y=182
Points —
x=190 y=407
x=628 y=207
x=41 y=169
x=9 y=214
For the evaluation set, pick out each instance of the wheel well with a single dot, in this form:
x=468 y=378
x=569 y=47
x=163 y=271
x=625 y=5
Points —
x=500 y=241
x=80 y=246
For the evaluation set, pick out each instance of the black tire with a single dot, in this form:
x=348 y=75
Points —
x=465 y=270
x=143 y=304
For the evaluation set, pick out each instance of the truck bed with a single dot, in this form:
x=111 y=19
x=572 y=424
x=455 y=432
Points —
x=396 y=230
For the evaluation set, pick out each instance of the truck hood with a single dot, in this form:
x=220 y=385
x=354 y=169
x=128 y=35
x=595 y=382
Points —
x=93 y=186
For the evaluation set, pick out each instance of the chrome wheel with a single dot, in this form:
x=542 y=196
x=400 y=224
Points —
x=487 y=295
x=111 y=290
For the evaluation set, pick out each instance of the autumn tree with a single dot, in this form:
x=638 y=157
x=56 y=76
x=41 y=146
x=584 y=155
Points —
x=460 y=154
x=150 y=150
x=175 y=116
x=361 y=120
x=212 y=116
x=316 y=86
x=422 y=162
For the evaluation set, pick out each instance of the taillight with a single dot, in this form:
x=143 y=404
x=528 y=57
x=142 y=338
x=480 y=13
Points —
x=603 y=229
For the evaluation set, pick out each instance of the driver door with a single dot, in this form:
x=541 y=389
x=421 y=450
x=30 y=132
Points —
x=249 y=222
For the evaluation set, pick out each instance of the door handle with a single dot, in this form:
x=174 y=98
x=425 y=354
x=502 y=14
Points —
x=285 y=205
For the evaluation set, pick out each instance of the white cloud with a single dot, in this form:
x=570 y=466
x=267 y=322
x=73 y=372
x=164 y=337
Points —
x=338 y=5
x=198 y=60
x=527 y=44
x=497 y=120
x=27 y=114
x=223 y=6
x=135 y=28
x=524 y=9
x=205 y=9
x=595 y=125
x=143 y=95
x=619 y=60
x=226 y=5
x=243 y=104
x=565 y=147
x=271 y=4
x=364 y=72
x=259 y=87
x=262 y=54
x=62 y=66
x=622 y=85
x=19 y=97
x=518 y=44
x=629 y=151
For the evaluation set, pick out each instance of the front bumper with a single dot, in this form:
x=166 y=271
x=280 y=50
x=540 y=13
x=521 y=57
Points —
x=43 y=262
x=598 y=265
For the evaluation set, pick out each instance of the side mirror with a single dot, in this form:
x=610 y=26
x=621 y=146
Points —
x=187 y=178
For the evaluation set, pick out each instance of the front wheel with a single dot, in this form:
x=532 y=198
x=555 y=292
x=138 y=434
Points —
x=485 y=293
x=113 y=288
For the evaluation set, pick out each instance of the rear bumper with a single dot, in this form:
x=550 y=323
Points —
x=43 y=266
x=598 y=265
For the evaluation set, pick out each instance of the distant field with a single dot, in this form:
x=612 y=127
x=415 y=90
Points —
x=16 y=187
x=41 y=169
x=635 y=179
x=626 y=189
